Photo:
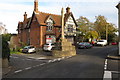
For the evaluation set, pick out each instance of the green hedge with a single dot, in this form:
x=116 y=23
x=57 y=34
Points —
x=5 y=48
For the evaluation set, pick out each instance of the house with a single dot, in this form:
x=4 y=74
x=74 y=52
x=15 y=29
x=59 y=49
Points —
x=3 y=30
x=44 y=27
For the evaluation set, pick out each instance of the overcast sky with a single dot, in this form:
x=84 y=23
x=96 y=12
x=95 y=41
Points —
x=11 y=11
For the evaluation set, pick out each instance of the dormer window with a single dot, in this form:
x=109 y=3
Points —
x=49 y=26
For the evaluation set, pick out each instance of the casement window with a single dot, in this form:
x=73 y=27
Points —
x=70 y=28
x=49 y=26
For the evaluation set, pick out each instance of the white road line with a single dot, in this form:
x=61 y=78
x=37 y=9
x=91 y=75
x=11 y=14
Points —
x=107 y=74
x=43 y=64
x=105 y=66
x=14 y=57
x=59 y=59
x=28 y=68
x=17 y=71
x=49 y=61
x=117 y=72
x=55 y=60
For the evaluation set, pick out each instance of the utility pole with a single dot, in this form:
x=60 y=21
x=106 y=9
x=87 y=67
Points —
x=107 y=31
x=118 y=6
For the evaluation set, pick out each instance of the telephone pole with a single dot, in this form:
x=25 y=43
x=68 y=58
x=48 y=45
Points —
x=107 y=31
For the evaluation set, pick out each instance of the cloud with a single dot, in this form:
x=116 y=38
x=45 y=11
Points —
x=11 y=12
x=62 y=0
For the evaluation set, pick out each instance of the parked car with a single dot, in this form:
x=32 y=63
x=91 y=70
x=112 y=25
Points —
x=85 y=45
x=28 y=49
x=102 y=42
x=48 y=46
x=114 y=43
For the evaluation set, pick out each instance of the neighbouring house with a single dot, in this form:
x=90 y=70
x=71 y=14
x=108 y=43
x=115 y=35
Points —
x=43 y=27
x=14 y=42
x=3 y=30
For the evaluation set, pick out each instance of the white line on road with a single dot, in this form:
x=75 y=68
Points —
x=43 y=64
x=49 y=61
x=105 y=66
x=59 y=59
x=17 y=71
x=28 y=68
x=14 y=57
x=107 y=74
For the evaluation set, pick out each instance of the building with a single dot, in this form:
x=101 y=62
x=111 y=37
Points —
x=44 y=28
x=3 y=30
x=118 y=6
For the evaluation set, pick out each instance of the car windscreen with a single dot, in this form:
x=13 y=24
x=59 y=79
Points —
x=100 y=41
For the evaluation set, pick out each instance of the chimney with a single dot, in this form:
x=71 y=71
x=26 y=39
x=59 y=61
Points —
x=36 y=5
x=25 y=16
x=68 y=10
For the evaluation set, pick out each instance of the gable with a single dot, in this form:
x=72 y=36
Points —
x=70 y=20
x=50 y=20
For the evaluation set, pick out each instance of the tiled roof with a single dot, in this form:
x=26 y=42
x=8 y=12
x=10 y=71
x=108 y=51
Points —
x=41 y=17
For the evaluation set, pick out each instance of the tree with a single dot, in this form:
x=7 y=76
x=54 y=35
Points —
x=101 y=25
x=86 y=29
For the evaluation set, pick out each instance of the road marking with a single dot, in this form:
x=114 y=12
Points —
x=14 y=57
x=117 y=72
x=55 y=60
x=59 y=59
x=107 y=74
x=43 y=64
x=28 y=68
x=49 y=61
x=17 y=71
x=105 y=66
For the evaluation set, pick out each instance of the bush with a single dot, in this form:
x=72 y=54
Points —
x=5 y=48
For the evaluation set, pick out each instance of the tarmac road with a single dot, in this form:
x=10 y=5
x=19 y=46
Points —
x=88 y=63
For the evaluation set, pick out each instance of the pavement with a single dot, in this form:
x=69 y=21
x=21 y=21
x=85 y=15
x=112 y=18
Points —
x=114 y=55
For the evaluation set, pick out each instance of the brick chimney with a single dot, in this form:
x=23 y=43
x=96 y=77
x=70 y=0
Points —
x=36 y=5
x=68 y=10
x=25 y=16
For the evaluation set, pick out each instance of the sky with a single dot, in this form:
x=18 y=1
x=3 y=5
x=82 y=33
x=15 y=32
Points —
x=12 y=11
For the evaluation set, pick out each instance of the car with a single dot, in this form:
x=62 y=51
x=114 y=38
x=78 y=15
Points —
x=102 y=42
x=28 y=49
x=85 y=45
x=114 y=43
x=48 y=46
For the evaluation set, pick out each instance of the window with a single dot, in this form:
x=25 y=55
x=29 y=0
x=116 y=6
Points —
x=49 y=26
x=70 y=28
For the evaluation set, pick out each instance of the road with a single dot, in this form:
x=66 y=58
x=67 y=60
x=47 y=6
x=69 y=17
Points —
x=88 y=63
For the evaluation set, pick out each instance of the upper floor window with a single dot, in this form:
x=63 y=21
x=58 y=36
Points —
x=49 y=26
x=70 y=28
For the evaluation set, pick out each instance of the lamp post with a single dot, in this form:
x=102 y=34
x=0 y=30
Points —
x=118 y=6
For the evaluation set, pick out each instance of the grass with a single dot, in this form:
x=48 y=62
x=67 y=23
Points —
x=15 y=52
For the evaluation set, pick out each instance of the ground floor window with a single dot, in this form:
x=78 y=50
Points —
x=50 y=39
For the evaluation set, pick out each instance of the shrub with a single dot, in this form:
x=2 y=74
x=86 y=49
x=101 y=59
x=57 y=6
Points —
x=5 y=48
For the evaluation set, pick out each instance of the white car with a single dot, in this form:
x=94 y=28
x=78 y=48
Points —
x=48 y=46
x=29 y=49
x=102 y=42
